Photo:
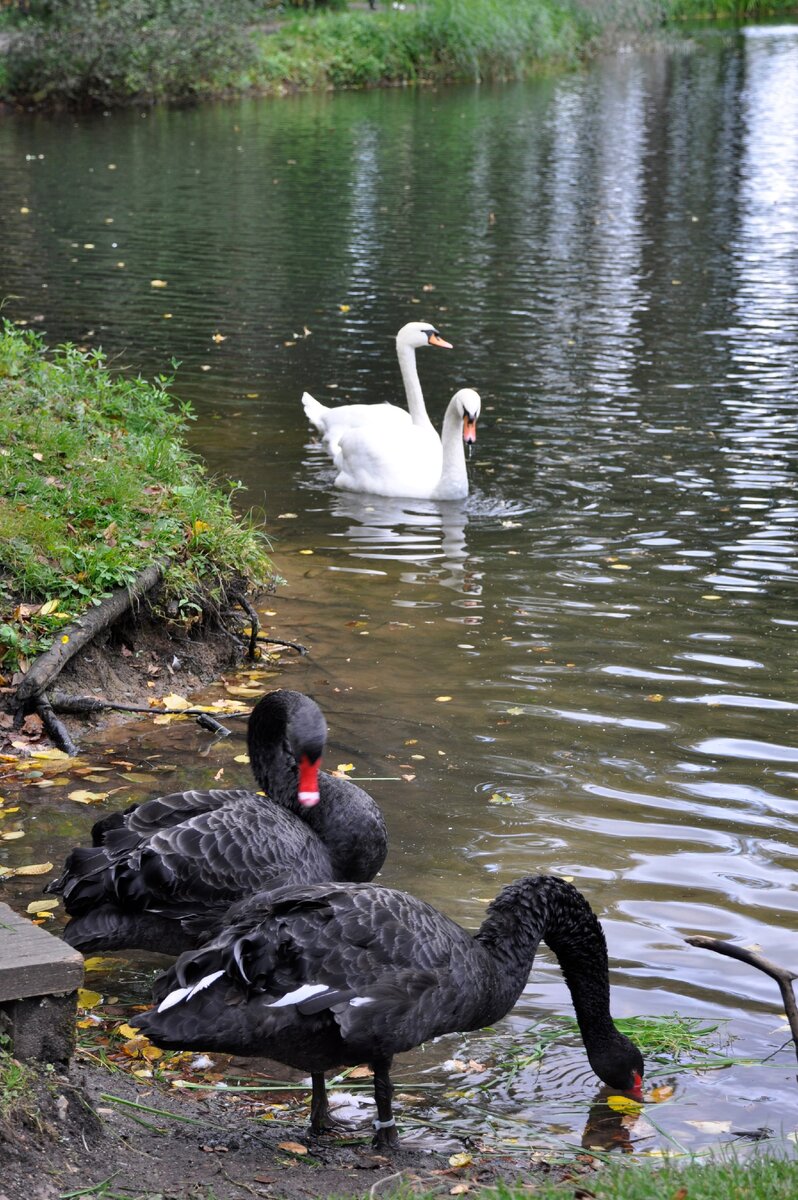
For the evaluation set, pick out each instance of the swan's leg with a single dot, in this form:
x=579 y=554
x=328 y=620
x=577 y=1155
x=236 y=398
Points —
x=321 y=1120
x=385 y=1135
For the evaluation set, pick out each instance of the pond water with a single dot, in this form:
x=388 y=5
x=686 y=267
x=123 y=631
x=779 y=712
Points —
x=611 y=614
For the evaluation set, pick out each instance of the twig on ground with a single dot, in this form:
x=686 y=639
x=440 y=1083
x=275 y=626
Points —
x=784 y=978
x=89 y=704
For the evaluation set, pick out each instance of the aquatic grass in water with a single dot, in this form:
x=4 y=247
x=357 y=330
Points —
x=664 y=1040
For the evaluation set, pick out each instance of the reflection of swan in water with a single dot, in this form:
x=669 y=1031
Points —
x=420 y=533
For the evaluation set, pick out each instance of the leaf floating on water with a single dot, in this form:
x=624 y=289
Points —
x=158 y=283
x=82 y=796
x=442 y=699
x=292 y=1147
x=498 y=798
x=658 y=1095
x=242 y=758
x=515 y=711
x=98 y=962
x=219 y=337
x=655 y=698
x=460 y=1160
x=12 y=835
x=346 y=766
x=51 y=755
x=344 y=308
x=42 y=906
x=623 y=1104
x=173 y=700
x=31 y=869
x=711 y=1126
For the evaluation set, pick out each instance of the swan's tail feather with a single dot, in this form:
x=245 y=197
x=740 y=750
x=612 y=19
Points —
x=316 y=413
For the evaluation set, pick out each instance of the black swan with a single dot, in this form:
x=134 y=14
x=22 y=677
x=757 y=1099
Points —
x=329 y=975
x=160 y=874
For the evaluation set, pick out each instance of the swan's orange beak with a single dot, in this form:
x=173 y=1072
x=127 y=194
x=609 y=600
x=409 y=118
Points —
x=308 y=792
x=435 y=339
x=469 y=429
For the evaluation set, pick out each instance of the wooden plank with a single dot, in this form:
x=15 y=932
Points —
x=32 y=961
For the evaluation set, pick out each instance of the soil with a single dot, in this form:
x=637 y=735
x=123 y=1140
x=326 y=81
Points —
x=72 y=1132
x=139 y=658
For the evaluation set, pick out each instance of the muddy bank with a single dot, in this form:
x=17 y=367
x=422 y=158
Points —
x=72 y=1132
x=139 y=659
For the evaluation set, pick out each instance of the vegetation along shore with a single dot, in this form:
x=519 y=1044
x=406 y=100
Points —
x=84 y=52
x=108 y=518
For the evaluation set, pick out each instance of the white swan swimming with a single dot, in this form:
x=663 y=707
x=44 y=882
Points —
x=404 y=460
x=333 y=423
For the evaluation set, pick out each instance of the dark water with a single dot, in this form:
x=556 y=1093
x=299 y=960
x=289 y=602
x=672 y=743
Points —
x=612 y=613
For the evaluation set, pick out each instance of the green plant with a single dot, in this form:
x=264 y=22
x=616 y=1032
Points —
x=96 y=484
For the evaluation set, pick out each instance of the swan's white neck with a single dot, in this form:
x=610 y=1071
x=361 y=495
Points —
x=415 y=399
x=453 y=484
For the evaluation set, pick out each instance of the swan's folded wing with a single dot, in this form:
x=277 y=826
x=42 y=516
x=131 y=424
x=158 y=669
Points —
x=147 y=818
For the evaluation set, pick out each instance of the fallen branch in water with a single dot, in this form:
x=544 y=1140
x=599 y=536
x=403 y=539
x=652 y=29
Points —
x=81 y=705
x=55 y=729
x=784 y=978
x=300 y=649
x=254 y=620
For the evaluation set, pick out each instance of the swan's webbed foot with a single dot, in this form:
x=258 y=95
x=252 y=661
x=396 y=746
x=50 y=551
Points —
x=386 y=1136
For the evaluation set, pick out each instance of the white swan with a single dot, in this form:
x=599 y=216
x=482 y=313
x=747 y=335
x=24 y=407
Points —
x=333 y=423
x=406 y=461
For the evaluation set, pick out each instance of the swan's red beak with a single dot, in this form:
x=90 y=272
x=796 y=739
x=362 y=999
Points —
x=636 y=1090
x=435 y=339
x=308 y=793
x=469 y=430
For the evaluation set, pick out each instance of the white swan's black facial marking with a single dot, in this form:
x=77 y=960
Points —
x=435 y=339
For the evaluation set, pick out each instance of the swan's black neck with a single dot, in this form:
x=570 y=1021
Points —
x=546 y=908
x=286 y=726
x=283 y=727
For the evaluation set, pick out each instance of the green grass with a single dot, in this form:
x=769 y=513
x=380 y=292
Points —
x=16 y=1090
x=96 y=483
x=87 y=51
x=760 y=1179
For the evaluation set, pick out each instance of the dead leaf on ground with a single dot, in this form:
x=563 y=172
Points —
x=292 y=1147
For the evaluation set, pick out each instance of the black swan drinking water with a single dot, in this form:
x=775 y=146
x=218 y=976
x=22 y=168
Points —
x=329 y=975
x=160 y=872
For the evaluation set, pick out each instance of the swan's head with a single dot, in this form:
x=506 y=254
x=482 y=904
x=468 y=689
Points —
x=468 y=405
x=420 y=333
x=285 y=725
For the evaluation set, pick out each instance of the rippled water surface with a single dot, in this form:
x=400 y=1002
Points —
x=611 y=615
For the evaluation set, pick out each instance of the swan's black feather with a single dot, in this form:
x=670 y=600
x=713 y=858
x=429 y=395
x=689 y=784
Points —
x=185 y=857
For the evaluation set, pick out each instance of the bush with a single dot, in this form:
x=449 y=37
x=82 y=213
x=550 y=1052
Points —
x=109 y=51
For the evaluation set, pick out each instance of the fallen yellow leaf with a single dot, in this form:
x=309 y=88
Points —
x=159 y=283
x=292 y=1147
x=443 y=699
x=88 y=998
x=32 y=869
x=623 y=1104
x=82 y=796
x=460 y=1160
x=41 y=906
x=50 y=607
x=242 y=758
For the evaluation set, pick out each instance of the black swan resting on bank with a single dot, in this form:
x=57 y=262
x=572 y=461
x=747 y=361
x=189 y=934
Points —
x=162 y=872
x=330 y=975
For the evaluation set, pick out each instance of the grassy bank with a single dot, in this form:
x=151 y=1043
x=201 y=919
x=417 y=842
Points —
x=141 y=51
x=96 y=484
x=761 y=1179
